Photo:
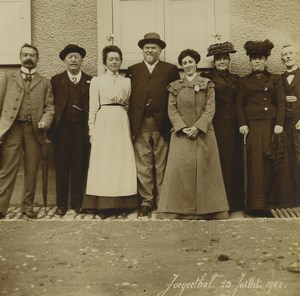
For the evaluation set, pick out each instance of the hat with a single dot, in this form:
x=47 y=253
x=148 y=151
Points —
x=259 y=47
x=72 y=48
x=220 y=48
x=152 y=38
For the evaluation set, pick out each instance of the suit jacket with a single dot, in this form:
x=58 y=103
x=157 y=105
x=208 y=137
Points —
x=226 y=88
x=60 y=86
x=11 y=95
x=293 y=89
x=150 y=85
x=259 y=99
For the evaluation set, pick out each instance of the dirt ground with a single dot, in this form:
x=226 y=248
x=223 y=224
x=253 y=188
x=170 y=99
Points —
x=163 y=258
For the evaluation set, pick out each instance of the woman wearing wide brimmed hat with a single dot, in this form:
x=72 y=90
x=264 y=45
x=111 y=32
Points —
x=260 y=107
x=225 y=123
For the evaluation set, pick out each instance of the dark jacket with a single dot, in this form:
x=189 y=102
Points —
x=293 y=89
x=60 y=88
x=144 y=86
x=260 y=99
x=226 y=88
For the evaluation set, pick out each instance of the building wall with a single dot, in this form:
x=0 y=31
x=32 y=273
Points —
x=275 y=20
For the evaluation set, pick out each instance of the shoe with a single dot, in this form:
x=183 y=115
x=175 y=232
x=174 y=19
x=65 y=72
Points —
x=30 y=214
x=144 y=211
x=79 y=211
x=61 y=211
x=221 y=215
x=2 y=216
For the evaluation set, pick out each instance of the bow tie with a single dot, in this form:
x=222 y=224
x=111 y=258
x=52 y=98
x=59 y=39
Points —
x=290 y=73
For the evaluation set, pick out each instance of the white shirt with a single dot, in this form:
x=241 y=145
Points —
x=291 y=77
x=71 y=76
x=151 y=67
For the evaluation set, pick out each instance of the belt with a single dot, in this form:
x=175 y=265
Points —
x=113 y=104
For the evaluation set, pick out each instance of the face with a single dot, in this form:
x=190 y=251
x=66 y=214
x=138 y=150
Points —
x=73 y=61
x=151 y=52
x=113 y=61
x=289 y=56
x=189 y=65
x=258 y=63
x=221 y=62
x=28 y=58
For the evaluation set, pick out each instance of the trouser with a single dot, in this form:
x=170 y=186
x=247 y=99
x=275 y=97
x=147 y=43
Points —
x=71 y=162
x=20 y=140
x=151 y=152
x=294 y=152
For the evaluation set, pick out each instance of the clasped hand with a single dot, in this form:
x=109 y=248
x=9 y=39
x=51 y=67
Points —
x=191 y=132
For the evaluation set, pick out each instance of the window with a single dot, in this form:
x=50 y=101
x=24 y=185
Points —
x=15 y=29
x=181 y=24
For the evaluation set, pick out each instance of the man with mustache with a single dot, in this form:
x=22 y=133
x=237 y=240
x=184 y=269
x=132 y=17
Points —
x=149 y=121
x=69 y=131
x=26 y=110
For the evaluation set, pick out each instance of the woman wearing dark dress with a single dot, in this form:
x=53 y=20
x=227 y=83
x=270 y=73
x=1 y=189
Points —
x=260 y=107
x=225 y=124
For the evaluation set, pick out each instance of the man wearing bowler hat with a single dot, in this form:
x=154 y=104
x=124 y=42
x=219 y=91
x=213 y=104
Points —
x=69 y=131
x=148 y=115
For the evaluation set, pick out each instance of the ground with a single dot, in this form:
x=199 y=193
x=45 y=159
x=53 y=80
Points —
x=139 y=257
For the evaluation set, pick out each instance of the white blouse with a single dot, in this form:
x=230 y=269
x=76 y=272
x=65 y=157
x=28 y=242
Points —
x=108 y=88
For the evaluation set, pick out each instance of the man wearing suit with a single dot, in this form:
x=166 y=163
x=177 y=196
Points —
x=26 y=110
x=69 y=131
x=149 y=121
x=291 y=83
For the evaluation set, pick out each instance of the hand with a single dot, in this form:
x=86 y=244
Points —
x=278 y=129
x=91 y=139
x=42 y=125
x=186 y=130
x=244 y=129
x=193 y=132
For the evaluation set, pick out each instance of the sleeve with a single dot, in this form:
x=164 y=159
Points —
x=174 y=115
x=127 y=95
x=240 y=103
x=94 y=105
x=207 y=116
x=3 y=82
x=48 y=105
x=280 y=100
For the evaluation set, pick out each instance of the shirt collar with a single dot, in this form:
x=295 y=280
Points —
x=78 y=76
x=293 y=69
x=111 y=73
x=191 y=78
x=27 y=71
x=151 y=67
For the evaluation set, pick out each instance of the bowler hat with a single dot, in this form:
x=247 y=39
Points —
x=152 y=38
x=72 y=48
x=258 y=47
x=220 y=48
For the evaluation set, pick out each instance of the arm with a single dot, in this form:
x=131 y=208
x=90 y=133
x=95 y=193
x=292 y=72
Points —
x=3 y=82
x=281 y=104
x=174 y=115
x=94 y=105
x=207 y=116
x=127 y=95
x=239 y=108
x=48 y=113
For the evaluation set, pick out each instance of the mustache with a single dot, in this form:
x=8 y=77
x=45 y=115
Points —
x=28 y=62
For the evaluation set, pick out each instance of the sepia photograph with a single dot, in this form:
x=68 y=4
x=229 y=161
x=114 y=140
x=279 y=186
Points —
x=149 y=147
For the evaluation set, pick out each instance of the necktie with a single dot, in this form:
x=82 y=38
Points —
x=28 y=77
x=74 y=80
x=289 y=73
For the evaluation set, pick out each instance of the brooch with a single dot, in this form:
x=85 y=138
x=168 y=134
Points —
x=196 y=88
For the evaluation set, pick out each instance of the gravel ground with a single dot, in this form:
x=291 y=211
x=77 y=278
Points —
x=89 y=256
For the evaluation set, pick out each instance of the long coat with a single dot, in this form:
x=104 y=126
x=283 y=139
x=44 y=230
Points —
x=193 y=183
x=11 y=95
x=260 y=105
x=60 y=87
x=145 y=85
x=228 y=138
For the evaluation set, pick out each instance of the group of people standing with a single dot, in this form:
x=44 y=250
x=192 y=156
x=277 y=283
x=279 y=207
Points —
x=155 y=140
